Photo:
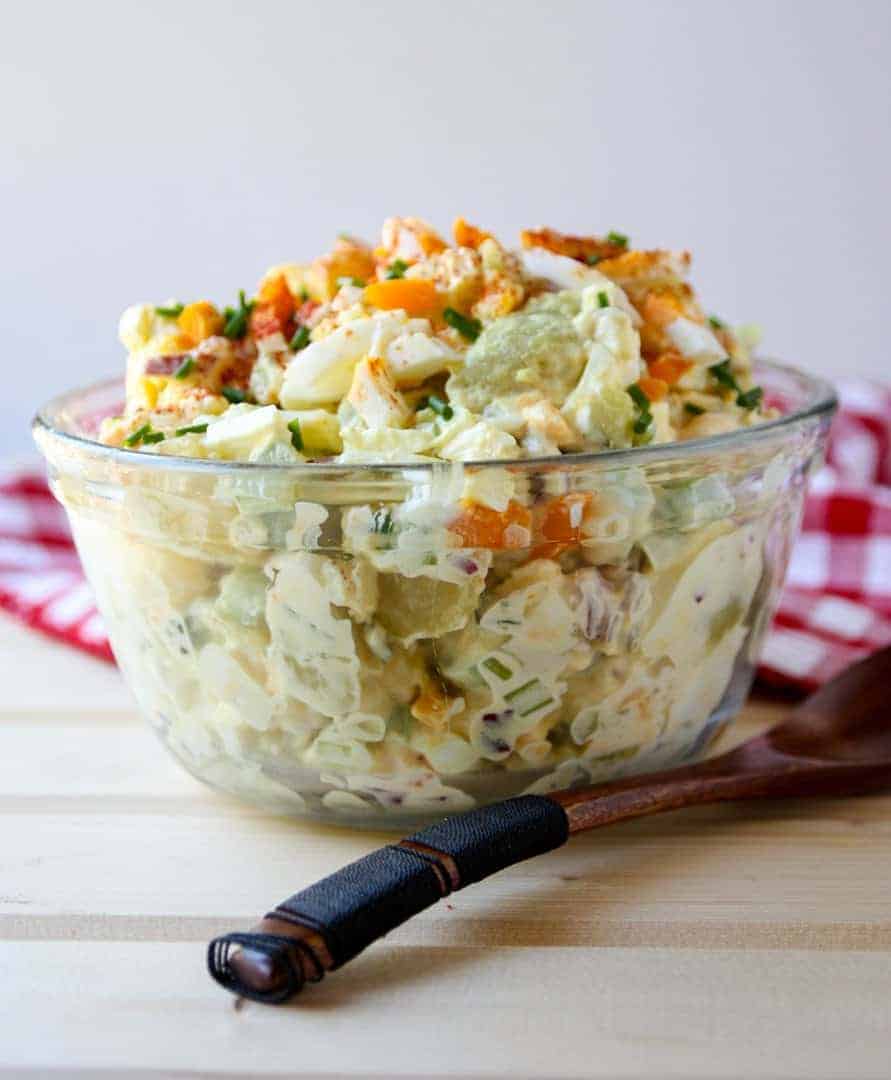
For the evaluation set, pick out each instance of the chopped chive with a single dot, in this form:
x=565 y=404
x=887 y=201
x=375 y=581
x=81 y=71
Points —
x=466 y=327
x=602 y=298
x=236 y=325
x=172 y=312
x=436 y=403
x=715 y=323
x=724 y=375
x=519 y=690
x=693 y=409
x=382 y=522
x=617 y=239
x=296 y=434
x=233 y=395
x=138 y=435
x=535 y=708
x=750 y=399
x=397 y=269
x=192 y=429
x=300 y=339
x=153 y=437
x=497 y=668
x=185 y=368
x=639 y=398
x=642 y=424
x=593 y=260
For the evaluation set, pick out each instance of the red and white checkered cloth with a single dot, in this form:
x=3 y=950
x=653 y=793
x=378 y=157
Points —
x=836 y=607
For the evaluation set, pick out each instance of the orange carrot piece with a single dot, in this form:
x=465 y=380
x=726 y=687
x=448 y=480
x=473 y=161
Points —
x=655 y=389
x=199 y=321
x=669 y=367
x=415 y=296
x=467 y=235
x=275 y=295
x=481 y=526
x=561 y=526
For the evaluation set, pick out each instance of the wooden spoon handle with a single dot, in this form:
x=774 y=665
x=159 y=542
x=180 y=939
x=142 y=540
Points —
x=754 y=770
x=326 y=925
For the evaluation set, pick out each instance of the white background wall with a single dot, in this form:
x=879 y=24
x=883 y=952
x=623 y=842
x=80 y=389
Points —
x=178 y=148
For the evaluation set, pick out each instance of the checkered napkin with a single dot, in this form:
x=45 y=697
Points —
x=836 y=607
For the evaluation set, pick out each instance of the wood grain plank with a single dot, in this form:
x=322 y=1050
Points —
x=398 y=1012
x=755 y=864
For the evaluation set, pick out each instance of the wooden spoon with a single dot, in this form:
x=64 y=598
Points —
x=838 y=742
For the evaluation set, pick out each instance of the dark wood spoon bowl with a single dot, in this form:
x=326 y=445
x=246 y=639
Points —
x=838 y=742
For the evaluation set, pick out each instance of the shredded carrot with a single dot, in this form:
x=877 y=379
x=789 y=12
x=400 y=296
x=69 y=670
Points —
x=669 y=367
x=199 y=321
x=467 y=235
x=415 y=296
x=655 y=389
x=481 y=526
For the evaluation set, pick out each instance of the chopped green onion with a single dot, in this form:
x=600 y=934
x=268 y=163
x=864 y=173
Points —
x=750 y=399
x=642 y=424
x=519 y=690
x=382 y=522
x=304 y=293
x=497 y=668
x=617 y=239
x=236 y=324
x=693 y=409
x=593 y=260
x=724 y=375
x=185 y=368
x=466 y=327
x=233 y=395
x=440 y=407
x=535 y=708
x=296 y=434
x=153 y=437
x=172 y=312
x=300 y=339
x=192 y=429
x=603 y=298
x=715 y=323
x=397 y=269
x=639 y=398
x=138 y=435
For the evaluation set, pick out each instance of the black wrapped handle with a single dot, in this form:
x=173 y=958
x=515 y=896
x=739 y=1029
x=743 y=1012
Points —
x=324 y=926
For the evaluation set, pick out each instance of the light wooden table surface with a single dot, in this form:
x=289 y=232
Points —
x=719 y=942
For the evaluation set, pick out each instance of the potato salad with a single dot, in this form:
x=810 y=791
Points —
x=421 y=585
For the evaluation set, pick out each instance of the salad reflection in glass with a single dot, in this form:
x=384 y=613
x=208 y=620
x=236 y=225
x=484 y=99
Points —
x=438 y=538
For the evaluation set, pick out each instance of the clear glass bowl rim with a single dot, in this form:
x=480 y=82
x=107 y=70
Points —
x=821 y=401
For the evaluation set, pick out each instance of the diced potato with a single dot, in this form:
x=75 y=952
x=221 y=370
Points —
x=422 y=607
x=319 y=429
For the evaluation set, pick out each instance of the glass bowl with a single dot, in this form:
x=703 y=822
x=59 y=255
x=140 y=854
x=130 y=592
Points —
x=384 y=644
